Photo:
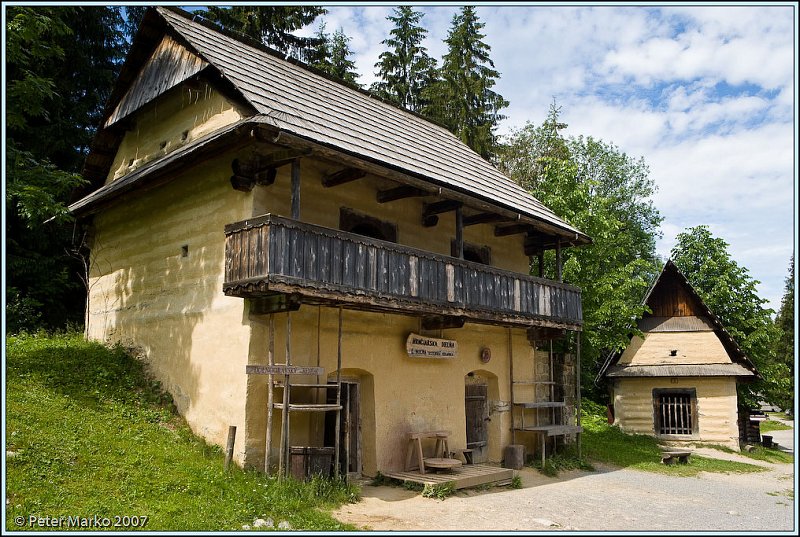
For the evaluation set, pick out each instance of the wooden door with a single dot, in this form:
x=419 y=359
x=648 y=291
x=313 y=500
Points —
x=477 y=414
x=349 y=428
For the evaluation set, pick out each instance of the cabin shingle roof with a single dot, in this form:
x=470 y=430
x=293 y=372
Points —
x=299 y=101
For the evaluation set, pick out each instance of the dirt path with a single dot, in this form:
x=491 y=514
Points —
x=604 y=500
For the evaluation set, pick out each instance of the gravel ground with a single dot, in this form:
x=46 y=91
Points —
x=609 y=499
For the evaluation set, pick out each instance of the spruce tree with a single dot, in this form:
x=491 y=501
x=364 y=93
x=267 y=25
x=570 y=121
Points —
x=463 y=99
x=333 y=55
x=272 y=26
x=405 y=69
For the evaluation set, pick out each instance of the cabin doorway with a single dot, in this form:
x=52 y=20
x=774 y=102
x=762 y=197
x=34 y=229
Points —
x=476 y=408
x=350 y=462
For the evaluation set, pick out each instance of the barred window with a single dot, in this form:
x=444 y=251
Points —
x=675 y=412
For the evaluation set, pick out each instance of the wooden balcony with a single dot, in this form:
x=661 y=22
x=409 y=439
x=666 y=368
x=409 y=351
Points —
x=271 y=254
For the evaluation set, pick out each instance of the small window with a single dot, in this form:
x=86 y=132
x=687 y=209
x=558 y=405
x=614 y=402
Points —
x=473 y=252
x=675 y=412
x=367 y=226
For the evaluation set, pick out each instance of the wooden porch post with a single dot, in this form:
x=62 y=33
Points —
x=338 y=397
x=578 y=390
x=296 y=189
x=558 y=260
x=459 y=232
x=270 y=395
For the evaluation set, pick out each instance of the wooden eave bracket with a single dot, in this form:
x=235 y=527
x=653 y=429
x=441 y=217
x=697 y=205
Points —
x=431 y=210
x=342 y=176
x=262 y=169
x=398 y=193
x=484 y=218
x=275 y=303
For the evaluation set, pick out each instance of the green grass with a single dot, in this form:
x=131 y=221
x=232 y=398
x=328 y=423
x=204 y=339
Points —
x=604 y=443
x=564 y=460
x=91 y=435
x=773 y=425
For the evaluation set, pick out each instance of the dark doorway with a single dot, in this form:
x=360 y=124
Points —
x=477 y=415
x=349 y=428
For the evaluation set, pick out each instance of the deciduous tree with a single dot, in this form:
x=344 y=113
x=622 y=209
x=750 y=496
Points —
x=730 y=292
x=607 y=195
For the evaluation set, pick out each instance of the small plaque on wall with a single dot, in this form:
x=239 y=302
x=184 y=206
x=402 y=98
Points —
x=419 y=346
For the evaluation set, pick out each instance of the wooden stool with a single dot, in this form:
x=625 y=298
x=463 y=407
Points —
x=669 y=457
x=442 y=449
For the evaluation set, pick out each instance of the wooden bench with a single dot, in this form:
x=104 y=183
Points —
x=673 y=456
x=466 y=453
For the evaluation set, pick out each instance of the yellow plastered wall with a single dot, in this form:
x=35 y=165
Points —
x=716 y=406
x=156 y=284
x=180 y=116
x=399 y=394
x=691 y=347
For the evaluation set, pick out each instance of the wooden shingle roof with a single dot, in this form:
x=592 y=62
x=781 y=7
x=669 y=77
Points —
x=299 y=101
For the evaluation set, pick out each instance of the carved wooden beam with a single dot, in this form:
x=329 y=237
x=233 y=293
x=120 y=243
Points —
x=484 y=218
x=398 y=193
x=342 y=176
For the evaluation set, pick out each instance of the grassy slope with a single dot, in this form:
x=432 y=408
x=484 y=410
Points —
x=91 y=436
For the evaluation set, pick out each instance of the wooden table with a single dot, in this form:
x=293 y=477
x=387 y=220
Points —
x=441 y=451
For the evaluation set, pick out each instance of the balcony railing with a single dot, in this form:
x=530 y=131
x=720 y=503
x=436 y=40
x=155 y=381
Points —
x=270 y=254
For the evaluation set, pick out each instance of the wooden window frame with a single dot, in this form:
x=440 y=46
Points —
x=484 y=253
x=350 y=219
x=677 y=429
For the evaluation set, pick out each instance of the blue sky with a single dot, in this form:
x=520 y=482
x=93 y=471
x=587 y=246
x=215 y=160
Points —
x=704 y=94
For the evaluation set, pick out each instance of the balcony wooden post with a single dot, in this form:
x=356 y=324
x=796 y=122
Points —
x=541 y=263
x=296 y=189
x=558 y=261
x=459 y=232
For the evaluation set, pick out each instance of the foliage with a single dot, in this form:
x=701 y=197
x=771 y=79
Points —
x=462 y=98
x=607 y=195
x=440 y=491
x=333 y=54
x=730 y=293
x=91 y=434
x=405 y=69
x=784 y=342
x=516 y=482
x=51 y=119
x=604 y=443
x=273 y=26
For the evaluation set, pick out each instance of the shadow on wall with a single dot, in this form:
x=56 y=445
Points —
x=153 y=301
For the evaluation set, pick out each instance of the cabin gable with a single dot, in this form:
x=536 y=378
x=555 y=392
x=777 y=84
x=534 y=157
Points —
x=170 y=64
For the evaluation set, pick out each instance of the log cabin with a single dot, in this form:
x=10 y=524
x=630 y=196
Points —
x=678 y=380
x=296 y=258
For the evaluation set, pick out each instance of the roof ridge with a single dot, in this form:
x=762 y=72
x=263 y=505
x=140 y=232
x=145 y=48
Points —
x=250 y=41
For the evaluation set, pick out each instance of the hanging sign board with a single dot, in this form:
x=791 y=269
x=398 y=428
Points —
x=430 y=347
x=284 y=370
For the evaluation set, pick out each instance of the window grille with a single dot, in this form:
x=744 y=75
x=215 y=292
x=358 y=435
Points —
x=674 y=413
